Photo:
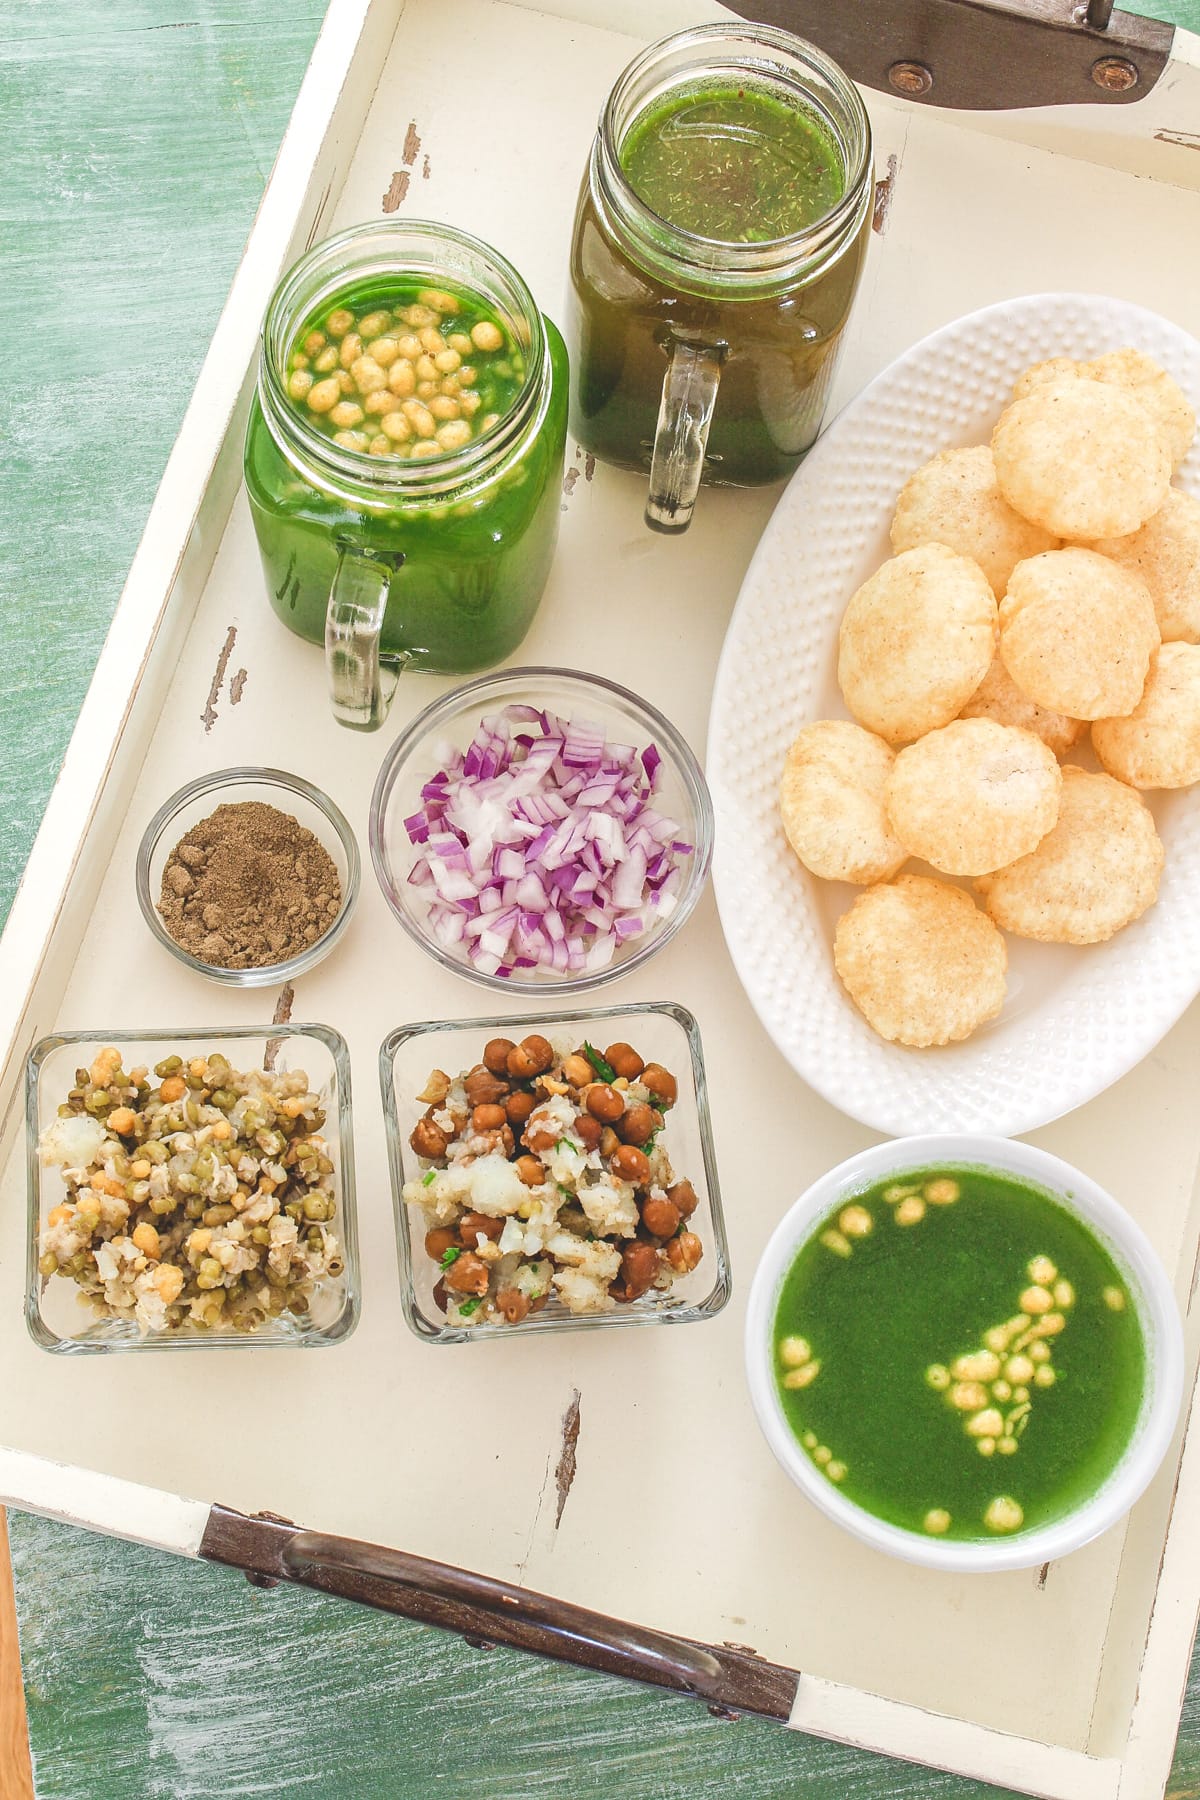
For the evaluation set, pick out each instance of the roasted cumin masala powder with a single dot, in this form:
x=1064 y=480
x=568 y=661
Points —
x=247 y=887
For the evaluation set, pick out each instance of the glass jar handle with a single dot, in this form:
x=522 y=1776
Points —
x=362 y=682
x=689 y=395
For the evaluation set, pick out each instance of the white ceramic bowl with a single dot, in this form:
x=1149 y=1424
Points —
x=1148 y=1286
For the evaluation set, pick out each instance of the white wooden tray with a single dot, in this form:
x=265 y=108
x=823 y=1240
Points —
x=1065 y=1682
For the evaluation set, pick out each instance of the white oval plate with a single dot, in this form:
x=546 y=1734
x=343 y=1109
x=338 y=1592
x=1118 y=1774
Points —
x=1075 y=1020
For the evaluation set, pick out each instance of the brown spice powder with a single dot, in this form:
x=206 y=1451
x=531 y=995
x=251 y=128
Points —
x=247 y=887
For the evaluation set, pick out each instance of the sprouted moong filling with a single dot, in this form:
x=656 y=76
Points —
x=959 y=1354
x=195 y=1195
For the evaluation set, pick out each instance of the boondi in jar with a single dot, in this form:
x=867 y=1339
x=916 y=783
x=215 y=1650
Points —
x=404 y=452
x=392 y=368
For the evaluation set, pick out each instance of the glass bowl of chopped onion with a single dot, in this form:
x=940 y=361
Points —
x=541 y=829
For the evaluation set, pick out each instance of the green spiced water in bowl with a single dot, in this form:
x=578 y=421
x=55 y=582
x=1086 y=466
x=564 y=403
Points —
x=959 y=1354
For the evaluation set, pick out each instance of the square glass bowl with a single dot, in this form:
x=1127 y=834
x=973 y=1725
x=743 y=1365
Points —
x=58 y=1318
x=659 y=1032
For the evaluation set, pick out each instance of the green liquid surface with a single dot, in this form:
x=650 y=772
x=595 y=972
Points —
x=371 y=335
x=732 y=163
x=885 y=1311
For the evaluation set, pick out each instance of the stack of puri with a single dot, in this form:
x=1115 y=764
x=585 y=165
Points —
x=1041 y=585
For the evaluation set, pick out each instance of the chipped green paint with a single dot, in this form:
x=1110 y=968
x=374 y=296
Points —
x=135 y=140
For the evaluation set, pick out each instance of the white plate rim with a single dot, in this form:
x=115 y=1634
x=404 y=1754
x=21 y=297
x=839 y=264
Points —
x=1109 y=323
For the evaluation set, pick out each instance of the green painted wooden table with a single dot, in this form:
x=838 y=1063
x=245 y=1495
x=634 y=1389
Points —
x=135 y=138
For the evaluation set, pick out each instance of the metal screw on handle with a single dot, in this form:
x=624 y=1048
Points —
x=911 y=78
x=649 y=1654
x=985 y=55
x=1115 y=74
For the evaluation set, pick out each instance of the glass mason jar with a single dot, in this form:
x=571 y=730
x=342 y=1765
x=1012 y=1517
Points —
x=693 y=358
x=396 y=563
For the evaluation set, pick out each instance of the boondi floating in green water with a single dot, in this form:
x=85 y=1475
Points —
x=959 y=1354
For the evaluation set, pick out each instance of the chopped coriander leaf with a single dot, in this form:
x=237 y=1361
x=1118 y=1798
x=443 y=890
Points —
x=650 y=1142
x=604 y=1070
x=569 y=1192
x=566 y=1143
x=467 y=1307
x=430 y=1175
x=449 y=1255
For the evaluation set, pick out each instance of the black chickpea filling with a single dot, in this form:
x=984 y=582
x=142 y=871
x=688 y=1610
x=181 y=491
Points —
x=546 y=1178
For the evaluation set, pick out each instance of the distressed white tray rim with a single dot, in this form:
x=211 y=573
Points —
x=1051 y=193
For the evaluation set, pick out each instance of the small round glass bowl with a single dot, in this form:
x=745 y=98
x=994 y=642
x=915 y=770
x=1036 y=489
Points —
x=288 y=794
x=680 y=792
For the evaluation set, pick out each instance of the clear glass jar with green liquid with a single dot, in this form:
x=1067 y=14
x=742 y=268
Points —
x=406 y=494
x=719 y=239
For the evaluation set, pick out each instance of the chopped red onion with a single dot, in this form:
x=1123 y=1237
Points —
x=543 y=847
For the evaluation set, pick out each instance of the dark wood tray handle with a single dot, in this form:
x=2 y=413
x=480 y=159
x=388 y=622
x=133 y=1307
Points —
x=982 y=55
x=647 y=1655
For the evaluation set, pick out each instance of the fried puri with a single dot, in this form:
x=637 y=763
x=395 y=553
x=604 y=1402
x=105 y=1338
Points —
x=921 y=962
x=1077 y=632
x=953 y=499
x=1094 y=873
x=1157 y=745
x=1082 y=459
x=1055 y=368
x=1166 y=554
x=1150 y=384
x=831 y=799
x=998 y=697
x=1163 y=399
x=916 y=640
x=973 y=796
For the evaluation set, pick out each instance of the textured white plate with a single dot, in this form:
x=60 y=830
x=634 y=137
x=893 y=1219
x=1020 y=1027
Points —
x=1075 y=1019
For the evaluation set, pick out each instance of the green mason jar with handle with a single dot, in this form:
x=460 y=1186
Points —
x=404 y=457
x=720 y=234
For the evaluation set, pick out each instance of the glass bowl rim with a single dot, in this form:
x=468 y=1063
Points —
x=267 y=974
x=675 y=750
x=713 y=1303
x=348 y=1318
